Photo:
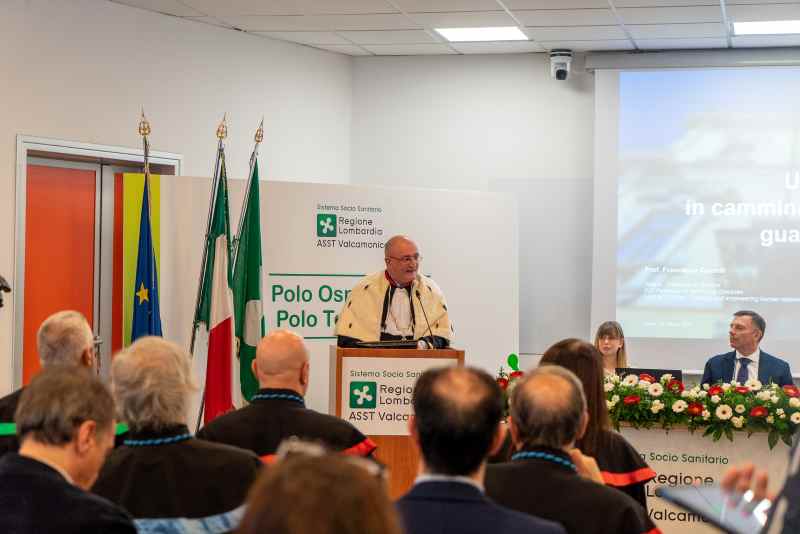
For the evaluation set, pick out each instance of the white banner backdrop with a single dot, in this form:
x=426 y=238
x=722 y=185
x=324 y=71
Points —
x=319 y=239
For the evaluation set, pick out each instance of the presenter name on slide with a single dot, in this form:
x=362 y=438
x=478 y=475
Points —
x=747 y=361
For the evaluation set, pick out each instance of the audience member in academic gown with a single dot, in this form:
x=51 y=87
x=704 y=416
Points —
x=620 y=464
x=65 y=420
x=329 y=494
x=456 y=425
x=278 y=410
x=544 y=477
x=65 y=339
x=161 y=470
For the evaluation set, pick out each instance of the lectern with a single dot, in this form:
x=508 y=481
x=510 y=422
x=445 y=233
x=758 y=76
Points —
x=371 y=388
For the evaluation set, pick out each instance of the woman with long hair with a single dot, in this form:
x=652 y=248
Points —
x=610 y=341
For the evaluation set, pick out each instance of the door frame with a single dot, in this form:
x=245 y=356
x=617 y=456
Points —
x=62 y=151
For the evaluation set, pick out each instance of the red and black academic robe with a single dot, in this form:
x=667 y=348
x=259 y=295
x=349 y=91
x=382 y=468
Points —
x=552 y=490
x=8 y=407
x=623 y=467
x=276 y=414
x=165 y=474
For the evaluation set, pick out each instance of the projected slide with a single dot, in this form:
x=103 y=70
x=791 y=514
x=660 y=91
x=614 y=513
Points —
x=708 y=201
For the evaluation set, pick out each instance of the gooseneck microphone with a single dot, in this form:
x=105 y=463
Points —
x=421 y=305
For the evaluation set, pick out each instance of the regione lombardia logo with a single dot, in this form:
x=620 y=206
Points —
x=362 y=395
x=326 y=225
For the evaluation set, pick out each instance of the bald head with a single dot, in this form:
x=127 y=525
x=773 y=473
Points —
x=65 y=338
x=282 y=361
x=401 y=256
x=548 y=408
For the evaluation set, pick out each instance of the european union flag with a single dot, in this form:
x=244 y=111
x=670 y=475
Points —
x=146 y=311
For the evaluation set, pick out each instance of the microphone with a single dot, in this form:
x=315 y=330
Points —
x=4 y=288
x=422 y=306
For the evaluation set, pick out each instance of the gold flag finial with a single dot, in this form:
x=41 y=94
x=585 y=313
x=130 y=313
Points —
x=260 y=131
x=222 y=129
x=144 y=125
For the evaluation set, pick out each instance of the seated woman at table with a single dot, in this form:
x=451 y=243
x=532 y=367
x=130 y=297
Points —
x=610 y=341
x=620 y=464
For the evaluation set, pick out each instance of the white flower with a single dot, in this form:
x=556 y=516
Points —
x=739 y=408
x=774 y=399
x=643 y=384
x=738 y=422
x=754 y=384
x=686 y=394
x=779 y=411
x=630 y=380
x=615 y=379
x=706 y=415
x=706 y=386
x=795 y=418
x=794 y=402
x=666 y=378
x=679 y=405
x=657 y=406
x=735 y=384
x=702 y=394
x=764 y=395
x=723 y=412
x=610 y=404
x=783 y=416
x=715 y=399
x=726 y=387
x=655 y=390
x=770 y=419
x=615 y=399
x=608 y=387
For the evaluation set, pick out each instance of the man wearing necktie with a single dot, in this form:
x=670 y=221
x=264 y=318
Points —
x=747 y=361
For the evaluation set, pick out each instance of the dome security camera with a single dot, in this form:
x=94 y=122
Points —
x=560 y=60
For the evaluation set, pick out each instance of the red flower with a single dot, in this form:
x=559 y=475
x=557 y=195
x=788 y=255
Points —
x=741 y=389
x=758 y=411
x=791 y=391
x=715 y=390
x=647 y=378
x=695 y=408
x=502 y=382
x=675 y=386
x=632 y=399
x=515 y=374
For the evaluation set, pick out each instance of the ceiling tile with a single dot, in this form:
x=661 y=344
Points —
x=440 y=6
x=576 y=33
x=551 y=4
x=350 y=50
x=463 y=19
x=681 y=44
x=209 y=20
x=170 y=7
x=310 y=38
x=668 y=15
x=505 y=47
x=323 y=22
x=661 y=31
x=389 y=37
x=344 y=7
x=764 y=12
x=757 y=41
x=613 y=44
x=409 y=49
x=231 y=8
x=668 y=3
x=566 y=17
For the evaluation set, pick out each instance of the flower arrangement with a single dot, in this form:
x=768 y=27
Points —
x=508 y=381
x=721 y=409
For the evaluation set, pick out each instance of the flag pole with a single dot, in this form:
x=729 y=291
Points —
x=259 y=136
x=144 y=131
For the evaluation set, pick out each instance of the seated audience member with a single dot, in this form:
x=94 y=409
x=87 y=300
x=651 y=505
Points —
x=610 y=341
x=278 y=410
x=330 y=494
x=619 y=463
x=456 y=425
x=747 y=361
x=161 y=470
x=548 y=415
x=64 y=338
x=65 y=422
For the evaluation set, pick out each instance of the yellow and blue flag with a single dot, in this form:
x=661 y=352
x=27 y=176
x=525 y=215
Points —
x=146 y=310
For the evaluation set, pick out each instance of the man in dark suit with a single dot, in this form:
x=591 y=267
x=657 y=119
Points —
x=747 y=361
x=64 y=338
x=456 y=426
x=65 y=421
x=546 y=476
x=278 y=410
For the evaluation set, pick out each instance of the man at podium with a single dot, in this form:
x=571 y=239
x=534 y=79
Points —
x=396 y=304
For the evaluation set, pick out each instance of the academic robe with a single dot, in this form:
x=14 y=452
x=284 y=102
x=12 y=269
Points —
x=190 y=478
x=553 y=491
x=8 y=407
x=364 y=313
x=277 y=414
x=622 y=466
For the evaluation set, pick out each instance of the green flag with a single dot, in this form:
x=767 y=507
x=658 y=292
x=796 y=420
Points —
x=247 y=287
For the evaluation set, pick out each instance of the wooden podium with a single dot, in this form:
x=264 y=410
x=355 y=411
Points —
x=371 y=388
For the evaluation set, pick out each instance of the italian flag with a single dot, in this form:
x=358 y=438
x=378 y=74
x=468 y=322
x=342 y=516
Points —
x=216 y=305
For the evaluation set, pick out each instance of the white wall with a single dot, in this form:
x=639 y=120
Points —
x=81 y=70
